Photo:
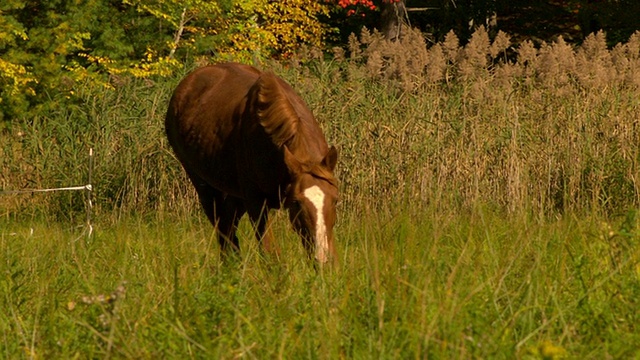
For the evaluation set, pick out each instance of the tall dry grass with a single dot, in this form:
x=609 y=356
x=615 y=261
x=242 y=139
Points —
x=549 y=129
x=134 y=170
x=546 y=130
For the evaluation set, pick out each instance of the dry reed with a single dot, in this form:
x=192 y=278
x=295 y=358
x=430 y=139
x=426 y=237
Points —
x=547 y=129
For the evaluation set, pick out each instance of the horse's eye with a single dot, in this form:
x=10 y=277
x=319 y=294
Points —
x=296 y=203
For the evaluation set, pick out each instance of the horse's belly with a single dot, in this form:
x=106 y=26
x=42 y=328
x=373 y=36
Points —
x=215 y=165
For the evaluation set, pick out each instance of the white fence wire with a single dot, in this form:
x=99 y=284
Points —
x=26 y=191
x=88 y=188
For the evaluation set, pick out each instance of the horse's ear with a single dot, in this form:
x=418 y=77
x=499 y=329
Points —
x=294 y=166
x=331 y=158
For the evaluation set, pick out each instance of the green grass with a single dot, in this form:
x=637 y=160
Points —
x=409 y=285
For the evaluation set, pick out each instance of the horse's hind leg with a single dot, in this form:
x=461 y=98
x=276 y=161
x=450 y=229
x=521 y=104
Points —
x=224 y=213
x=229 y=211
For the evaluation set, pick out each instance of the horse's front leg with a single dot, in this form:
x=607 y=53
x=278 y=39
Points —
x=259 y=214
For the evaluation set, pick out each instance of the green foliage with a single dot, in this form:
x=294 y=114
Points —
x=260 y=29
x=49 y=49
x=294 y=22
x=62 y=44
x=16 y=81
x=186 y=24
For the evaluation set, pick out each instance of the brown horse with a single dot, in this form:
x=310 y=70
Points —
x=249 y=144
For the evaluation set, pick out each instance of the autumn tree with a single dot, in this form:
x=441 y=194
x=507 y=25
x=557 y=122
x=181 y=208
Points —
x=295 y=22
x=16 y=80
x=49 y=47
x=260 y=29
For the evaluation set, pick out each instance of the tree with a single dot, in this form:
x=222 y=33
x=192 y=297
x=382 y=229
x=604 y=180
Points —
x=49 y=47
x=437 y=17
x=16 y=81
x=393 y=14
x=394 y=17
x=294 y=22
x=182 y=25
x=258 y=29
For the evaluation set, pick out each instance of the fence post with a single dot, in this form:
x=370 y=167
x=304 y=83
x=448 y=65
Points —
x=89 y=193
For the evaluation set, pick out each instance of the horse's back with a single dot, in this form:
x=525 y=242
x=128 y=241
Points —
x=210 y=89
x=203 y=113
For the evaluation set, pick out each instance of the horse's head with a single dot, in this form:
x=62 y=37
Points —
x=311 y=200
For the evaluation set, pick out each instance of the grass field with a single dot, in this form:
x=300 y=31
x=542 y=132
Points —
x=410 y=285
x=488 y=210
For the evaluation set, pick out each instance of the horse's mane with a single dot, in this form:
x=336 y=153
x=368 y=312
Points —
x=275 y=111
x=280 y=120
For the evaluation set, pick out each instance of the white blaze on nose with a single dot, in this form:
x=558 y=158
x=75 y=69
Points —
x=316 y=196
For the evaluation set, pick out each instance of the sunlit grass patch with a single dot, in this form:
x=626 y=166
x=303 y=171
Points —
x=410 y=283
